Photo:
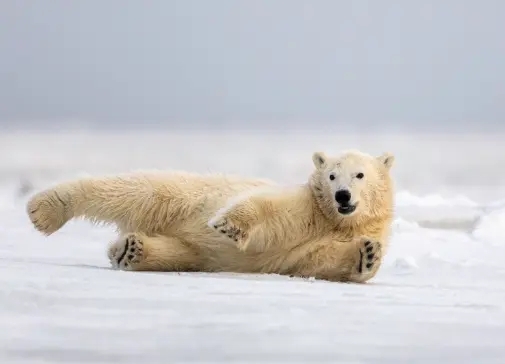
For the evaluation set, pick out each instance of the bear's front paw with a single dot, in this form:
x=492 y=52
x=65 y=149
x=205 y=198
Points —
x=368 y=260
x=369 y=254
x=226 y=226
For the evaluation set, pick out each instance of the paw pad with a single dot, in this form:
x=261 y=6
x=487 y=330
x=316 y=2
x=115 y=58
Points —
x=228 y=228
x=369 y=254
x=127 y=251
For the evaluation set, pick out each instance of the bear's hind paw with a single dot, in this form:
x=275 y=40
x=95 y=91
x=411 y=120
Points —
x=48 y=211
x=126 y=252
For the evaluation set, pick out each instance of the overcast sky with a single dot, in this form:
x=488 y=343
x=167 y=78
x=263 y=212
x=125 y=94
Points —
x=392 y=63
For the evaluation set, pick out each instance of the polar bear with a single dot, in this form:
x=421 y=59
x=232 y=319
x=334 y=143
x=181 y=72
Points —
x=334 y=227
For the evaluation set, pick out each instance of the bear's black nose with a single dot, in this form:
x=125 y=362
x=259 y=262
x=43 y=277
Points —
x=343 y=197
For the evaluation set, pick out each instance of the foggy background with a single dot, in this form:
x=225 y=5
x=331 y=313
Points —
x=286 y=64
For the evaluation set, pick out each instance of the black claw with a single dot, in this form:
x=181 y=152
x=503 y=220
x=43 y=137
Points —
x=123 y=254
x=131 y=256
x=368 y=243
x=223 y=231
x=360 y=266
x=132 y=250
x=370 y=256
x=369 y=249
x=369 y=265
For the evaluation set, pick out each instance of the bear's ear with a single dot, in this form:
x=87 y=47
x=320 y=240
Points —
x=319 y=159
x=387 y=159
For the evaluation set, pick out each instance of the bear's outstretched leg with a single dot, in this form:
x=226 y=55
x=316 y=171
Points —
x=356 y=261
x=134 y=203
x=139 y=252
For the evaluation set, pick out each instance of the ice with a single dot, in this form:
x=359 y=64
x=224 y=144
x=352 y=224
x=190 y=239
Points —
x=438 y=298
x=405 y=198
x=490 y=227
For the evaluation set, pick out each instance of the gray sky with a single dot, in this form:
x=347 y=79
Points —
x=397 y=63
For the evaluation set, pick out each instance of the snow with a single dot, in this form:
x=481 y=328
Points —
x=439 y=297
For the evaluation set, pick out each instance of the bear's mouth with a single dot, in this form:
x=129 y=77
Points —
x=346 y=209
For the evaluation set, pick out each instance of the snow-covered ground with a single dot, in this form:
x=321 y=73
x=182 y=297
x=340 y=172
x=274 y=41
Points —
x=439 y=297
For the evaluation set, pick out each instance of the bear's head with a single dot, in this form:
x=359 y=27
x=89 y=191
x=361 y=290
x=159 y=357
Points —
x=353 y=187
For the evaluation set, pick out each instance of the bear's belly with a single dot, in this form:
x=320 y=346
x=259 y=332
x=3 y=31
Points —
x=192 y=226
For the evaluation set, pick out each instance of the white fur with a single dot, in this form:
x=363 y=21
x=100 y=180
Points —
x=179 y=221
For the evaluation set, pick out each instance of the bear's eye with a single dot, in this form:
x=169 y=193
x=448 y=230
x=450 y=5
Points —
x=332 y=176
x=360 y=175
